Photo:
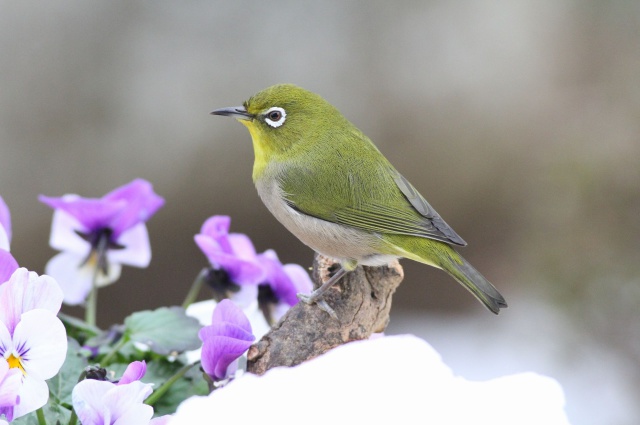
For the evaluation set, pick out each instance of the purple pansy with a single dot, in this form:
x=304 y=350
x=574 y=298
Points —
x=233 y=254
x=100 y=233
x=225 y=340
x=282 y=283
x=5 y=225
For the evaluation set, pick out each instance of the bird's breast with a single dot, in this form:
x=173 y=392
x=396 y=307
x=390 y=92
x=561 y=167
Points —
x=330 y=239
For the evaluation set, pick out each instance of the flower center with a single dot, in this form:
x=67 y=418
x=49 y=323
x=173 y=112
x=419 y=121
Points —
x=16 y=362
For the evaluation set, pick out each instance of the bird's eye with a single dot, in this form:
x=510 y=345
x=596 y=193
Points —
x=275 y=116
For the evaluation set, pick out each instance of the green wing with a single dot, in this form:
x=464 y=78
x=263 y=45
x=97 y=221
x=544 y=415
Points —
x=364 y=192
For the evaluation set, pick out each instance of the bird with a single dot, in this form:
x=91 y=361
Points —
x=329 y=185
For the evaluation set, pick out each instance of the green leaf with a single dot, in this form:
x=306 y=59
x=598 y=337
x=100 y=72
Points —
x=160 y=371
x=53 y=413
x=165 y=331
x=61 y=385
x=180 y=391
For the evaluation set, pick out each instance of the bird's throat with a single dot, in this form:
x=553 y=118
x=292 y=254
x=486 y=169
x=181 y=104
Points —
x=261 y=156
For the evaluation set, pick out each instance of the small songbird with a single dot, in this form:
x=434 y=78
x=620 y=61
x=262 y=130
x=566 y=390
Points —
x=327 y=183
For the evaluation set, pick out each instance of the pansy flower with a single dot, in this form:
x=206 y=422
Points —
x=32 y=339
x=225 y=340
x=96 y=236
x=235 y=269
x=99 y=401
x=281 y=285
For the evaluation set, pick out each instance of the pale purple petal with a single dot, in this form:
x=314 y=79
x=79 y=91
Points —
x=4 y=240
x=41 y=340
x=216 y=227
x=208 y=245
x=27 y=291
x=114 y=271
x=136 y=251
x=226 y=329
x=240 y=271
x=92 y=214
x=87 y=398
x=8 y=265
x=102 y=402
x=227 y=312
x=10 y=383
x=225 y=339
x=63 y=234
x=124 y=401
x=134 y=372
x=242 y=246
x=6 y=342
x=142 y=202
x=246 y=296
x=140 y=414
x=76 y=279
x=219 y=352
x=285 y=281
x=299 y=277
x=34 y=394
x=271 y=255
x=5 y=219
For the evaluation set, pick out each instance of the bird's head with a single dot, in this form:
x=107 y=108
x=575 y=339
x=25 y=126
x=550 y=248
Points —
x=285 y=120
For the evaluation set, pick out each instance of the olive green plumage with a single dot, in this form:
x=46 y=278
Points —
x=330 y=186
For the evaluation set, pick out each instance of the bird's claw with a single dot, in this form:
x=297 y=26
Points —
x=320 y=302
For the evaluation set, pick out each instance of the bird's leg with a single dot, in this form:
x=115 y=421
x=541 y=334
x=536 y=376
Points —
x=316 y=297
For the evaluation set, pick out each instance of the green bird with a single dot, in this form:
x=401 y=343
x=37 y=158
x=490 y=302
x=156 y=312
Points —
x=329 y=185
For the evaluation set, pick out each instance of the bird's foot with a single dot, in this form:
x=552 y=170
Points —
x=315 y=298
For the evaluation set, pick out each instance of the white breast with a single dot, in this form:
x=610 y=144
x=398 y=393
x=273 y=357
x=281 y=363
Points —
x=329 y=239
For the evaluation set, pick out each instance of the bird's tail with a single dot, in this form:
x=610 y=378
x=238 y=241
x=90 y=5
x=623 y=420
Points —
x=471 y=279
x=443 y=256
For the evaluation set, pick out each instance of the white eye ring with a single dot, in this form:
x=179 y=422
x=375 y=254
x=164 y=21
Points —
x=275 y=116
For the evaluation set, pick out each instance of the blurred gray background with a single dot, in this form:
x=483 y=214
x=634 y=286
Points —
x=518 y=120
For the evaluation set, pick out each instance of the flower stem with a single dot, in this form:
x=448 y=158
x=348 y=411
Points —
x=157 y=394
x=90 y=312
x=192 y=295
x=74 y=418
x=107 y=359
x=40 y=416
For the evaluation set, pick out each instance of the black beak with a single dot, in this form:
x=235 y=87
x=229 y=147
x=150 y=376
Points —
x=237 y=112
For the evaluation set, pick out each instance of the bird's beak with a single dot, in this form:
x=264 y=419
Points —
x=237 y=112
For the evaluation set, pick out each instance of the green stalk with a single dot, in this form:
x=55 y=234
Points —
x=74 y=418
x=192 y=295
x=90 y=312
x=107 y=359
x=100 y=252
x=40 y=415
x=155 y=396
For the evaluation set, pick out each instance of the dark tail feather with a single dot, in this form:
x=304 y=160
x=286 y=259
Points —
x=480 y=287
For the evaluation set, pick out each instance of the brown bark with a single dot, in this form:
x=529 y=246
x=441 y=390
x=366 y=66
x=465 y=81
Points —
x=361 y=300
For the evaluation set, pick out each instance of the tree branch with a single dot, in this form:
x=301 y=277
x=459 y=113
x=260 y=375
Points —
x=361 y=300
